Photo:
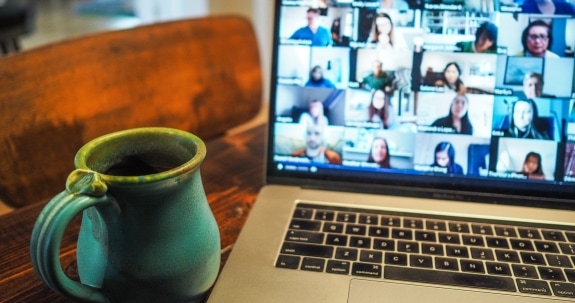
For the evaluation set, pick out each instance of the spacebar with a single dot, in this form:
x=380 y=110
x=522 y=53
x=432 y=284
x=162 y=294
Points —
x=448 y=278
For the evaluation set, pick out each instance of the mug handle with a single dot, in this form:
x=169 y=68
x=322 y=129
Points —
x=84 y=189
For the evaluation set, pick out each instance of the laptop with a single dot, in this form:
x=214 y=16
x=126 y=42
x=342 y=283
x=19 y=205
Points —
x=418 y=151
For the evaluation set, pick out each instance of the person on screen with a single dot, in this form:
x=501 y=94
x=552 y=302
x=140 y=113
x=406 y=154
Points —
x=380 y=110
x=315 y=116
x=316 y=79
x=445 y=158
x=536 y=40
x=315 y=149
x=548 y=7
x=532 y=166
x=521 y=121
x=533 y=85
x=458 y=117
x=485 y=40
x=318 y=35
x=378 y=79
x=383 y=35
x=451 y=80
x=379 y=153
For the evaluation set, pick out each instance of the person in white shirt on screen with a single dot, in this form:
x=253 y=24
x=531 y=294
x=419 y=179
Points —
x=315 y=116
x=384 y=35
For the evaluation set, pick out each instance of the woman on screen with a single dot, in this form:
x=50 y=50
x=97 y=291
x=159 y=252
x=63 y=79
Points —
x=380 y=110
x=451 y=78
x=458 y=117
x=532 y=166
x=379 y=153
x=383 y=34
x=316 y=79
x=536 y=40
x=485 y=40
x=522 y=119
x=445 y=158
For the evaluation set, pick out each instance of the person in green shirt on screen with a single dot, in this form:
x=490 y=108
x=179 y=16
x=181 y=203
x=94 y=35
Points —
x=485 y=40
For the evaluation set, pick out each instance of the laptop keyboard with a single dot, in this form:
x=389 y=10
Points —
x=497 y=255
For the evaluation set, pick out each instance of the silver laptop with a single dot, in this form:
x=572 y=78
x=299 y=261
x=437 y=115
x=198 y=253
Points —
x=418 y=151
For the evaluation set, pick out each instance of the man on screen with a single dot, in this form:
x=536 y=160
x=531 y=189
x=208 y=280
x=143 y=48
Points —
x=315 y=149
x=378 y=79
x=318 y=35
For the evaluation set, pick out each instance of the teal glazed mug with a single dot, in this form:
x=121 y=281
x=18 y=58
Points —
x=147 y=232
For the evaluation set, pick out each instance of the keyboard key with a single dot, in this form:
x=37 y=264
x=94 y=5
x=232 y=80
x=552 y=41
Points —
x=366 y=270
x=346 y=217
x=313 y=264
x=472 y=266
x=303 y=213
x=533 y=287
x=496 y=268
x=505 y=231
x=524 y=271
x=395 y=258
x=304 y=249
x=481 y=229
x=558 y=260
x=507 y=256
x=391 y=221
x=305 y=225
x=546 y=247
x=446 y=263
x=324 y=215
x=459 y=227
x=371 y=256
x=570 y=274
x=358 y=230
x=338 y=267
x=457 y=251
x=403 y=234
x=532 y=258
x=553 y=235
x=529 y=233
x=496 y=242
x=570 y=236
x=290 y=262
x=333 y=228
x=421 y=261
x=384 y=244
x=413 y=223
x=567 y=248
x=563 y=289
x=449 y=238
x=376 y=231
x=449 y=278
x=348 y=254
x=473 y=240
x=425 y=236
x=360 y=242
x=338 y=240
x=407 y=246
x=369 y=219
x=481 y=253
x=432 y=249
x=304 y=236
x=435 y=225
x=551 y=273
x=521 y=244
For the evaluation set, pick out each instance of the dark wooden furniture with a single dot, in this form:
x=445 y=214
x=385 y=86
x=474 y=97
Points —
x=200 y=75
x=232 y=174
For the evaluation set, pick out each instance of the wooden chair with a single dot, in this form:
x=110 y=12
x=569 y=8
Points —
x=200 y=75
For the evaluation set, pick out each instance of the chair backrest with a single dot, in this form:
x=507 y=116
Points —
x=200 y=75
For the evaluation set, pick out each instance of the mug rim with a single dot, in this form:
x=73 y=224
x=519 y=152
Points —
x=87 y=150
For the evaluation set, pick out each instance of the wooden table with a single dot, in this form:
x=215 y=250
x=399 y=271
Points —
x=232 y=174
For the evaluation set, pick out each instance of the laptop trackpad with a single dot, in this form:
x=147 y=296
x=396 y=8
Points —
x=364 y=291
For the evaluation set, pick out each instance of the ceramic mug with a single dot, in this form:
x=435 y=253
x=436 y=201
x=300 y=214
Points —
x=147 y=232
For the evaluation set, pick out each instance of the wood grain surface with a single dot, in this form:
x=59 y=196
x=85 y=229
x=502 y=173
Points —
x=232 y=175
x=200 y=75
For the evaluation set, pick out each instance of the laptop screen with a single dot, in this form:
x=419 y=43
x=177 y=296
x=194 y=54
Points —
x=471 y=96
